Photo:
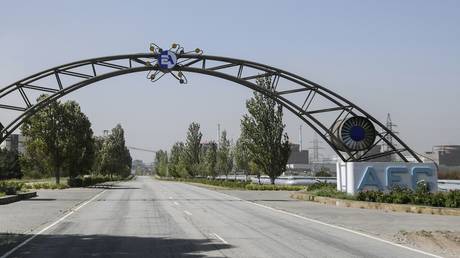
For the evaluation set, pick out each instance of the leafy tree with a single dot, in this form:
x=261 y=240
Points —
x=79 y=142
x=242 y=155
x=9 y=165
x=263 y=127
x=224 y=155
x=161 y=163
x=211 y=159
x=58 y=137
x=193 y=149
x=116 y=158
x=98 y=147
x=176 y=160
x=254 y=169
x=45 y=138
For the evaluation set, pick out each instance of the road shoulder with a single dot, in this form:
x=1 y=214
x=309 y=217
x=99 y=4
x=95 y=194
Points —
x=21 y=219
x=431 y=233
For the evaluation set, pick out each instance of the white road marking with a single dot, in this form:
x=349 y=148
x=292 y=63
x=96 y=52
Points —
x=175 y=203
x=188 y=213
x=330 y=225
x=50 y=226
x=170 y=197
x=220 y=238
x=342 y=228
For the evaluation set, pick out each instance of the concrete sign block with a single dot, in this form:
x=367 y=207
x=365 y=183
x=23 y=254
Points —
x=353 y=177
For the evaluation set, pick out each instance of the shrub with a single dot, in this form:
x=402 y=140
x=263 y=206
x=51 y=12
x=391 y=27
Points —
x=75 y=181
x=321 y=185
x=45 y=185
x=327 y=190
x=9 y=165
x=229 y=183
x=84 y=181
x=437 y=199
x=11 y=187
x=420 y=196
x=453 y=199
x=400 y=194
x=370 y=196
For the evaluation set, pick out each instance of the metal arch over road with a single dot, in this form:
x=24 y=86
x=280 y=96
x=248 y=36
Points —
x=319 y=107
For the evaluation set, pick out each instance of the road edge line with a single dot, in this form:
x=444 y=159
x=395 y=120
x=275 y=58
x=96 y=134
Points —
x=322 y=223
x=344 y=229
x=332 y=226
x=73 y=210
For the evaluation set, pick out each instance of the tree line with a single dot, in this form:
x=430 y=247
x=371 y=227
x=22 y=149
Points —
x=59 y=142
x=262 y=148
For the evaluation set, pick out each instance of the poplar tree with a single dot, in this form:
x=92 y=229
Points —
x=264 y=129
x=193 y=149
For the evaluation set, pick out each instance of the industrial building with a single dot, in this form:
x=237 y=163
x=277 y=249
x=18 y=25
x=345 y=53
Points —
x=14 y=142
x=298 y=160
x=445 y=155
x=376 y=150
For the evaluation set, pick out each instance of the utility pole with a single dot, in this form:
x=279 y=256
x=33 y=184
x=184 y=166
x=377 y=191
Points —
x=315 y=157
x=390 y=125
x=300 y=138
x=315 y=148
x=218 y=135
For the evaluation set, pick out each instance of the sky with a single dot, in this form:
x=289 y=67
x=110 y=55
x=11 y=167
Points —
x=397 y=57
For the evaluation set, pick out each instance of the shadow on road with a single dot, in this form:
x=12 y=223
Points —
x=119 y=188
x=39 y=199
x=107 y=246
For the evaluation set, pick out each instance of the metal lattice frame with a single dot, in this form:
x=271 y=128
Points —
x=319 y=107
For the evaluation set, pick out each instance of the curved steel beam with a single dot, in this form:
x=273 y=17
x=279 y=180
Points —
x=236 y=70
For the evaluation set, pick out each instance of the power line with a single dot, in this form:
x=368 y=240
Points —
x=391 y=126
x=140 y=149
x=316 y=147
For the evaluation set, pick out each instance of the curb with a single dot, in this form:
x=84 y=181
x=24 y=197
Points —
x=15 y=198
x=378 y=206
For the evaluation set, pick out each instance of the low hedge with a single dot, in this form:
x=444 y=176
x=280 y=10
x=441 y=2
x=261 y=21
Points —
x=398 y=195
x=90 y=180
x=450 y=199
x=274 y=187
x=45 y=185
x=237 y=184
x=321 y=185
x=327 y=190
x=11 y=187
x=229 y=183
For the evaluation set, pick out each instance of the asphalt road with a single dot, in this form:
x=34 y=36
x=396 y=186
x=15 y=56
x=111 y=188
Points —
x=149 y=218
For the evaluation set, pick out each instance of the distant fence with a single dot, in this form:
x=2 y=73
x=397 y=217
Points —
x=282 y=180
x=446 y=185
x=443 y=185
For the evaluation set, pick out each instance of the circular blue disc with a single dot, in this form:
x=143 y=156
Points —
x=357 y=133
